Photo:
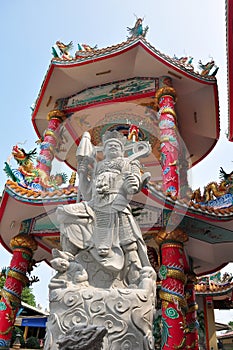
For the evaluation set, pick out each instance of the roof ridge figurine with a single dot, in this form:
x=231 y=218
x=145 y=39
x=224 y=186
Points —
x=137 y=29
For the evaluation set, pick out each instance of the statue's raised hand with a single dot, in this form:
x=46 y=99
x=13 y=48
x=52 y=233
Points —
x=131 y=183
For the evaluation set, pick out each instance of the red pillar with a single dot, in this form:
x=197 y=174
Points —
x=16 y=279
x=165 y=101
x=48 y=145
x=172 y=293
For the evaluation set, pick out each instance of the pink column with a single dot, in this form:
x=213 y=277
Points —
x=49 y=143
x=165 y=100
x=172 y=292
x=16 y=279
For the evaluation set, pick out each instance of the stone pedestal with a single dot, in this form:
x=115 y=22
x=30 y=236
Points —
x=93 y=299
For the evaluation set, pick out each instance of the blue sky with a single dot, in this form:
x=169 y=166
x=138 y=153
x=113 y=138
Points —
x=30 y=28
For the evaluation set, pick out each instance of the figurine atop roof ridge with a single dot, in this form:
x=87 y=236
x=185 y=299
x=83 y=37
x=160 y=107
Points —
x=137 y=30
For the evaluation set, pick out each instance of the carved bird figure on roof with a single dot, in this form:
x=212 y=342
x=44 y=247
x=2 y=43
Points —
x=64 y=48
x=206 y=68
x=89 y=48
x=190 y=60
x=138 y=30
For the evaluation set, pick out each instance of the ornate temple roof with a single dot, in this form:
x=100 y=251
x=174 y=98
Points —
x=118 y=68
x=195 y=209
x=204 y=210
x=209 y=228
x=218 y=287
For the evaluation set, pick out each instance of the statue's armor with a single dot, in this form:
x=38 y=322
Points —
x=108 y=184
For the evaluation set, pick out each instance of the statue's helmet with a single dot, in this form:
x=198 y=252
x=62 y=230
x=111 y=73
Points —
x=115 y=136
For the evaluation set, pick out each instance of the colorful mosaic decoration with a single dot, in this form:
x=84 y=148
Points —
x=111 y=91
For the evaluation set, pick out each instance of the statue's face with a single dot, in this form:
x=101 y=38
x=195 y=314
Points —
x=113 y=149
x=103 y=251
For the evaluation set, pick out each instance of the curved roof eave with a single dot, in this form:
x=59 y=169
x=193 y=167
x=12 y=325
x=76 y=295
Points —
x=65 y=78
x=31 y=208
x=191 y=209
x=117 y=50
x=65 y=195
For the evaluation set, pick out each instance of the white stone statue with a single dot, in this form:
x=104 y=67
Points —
x=104 y=275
